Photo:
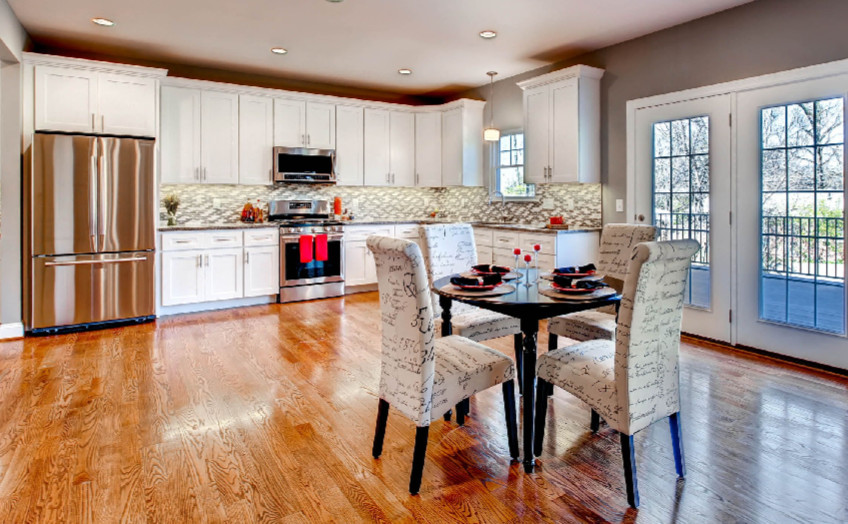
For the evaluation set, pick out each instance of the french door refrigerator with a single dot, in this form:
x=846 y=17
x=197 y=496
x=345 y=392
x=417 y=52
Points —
x=89 y=231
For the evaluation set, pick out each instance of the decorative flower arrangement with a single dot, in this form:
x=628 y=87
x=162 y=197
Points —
x=171 y=203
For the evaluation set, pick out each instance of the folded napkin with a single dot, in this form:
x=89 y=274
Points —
x=576 y=283
x=489 y=268
x=574 y=269
x=482 y=280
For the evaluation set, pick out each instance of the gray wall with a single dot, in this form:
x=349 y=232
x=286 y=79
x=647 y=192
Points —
x=765 y=36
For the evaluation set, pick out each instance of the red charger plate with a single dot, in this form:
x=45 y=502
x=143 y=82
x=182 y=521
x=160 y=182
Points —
x=479 y=288
x=572 y=290
x=574 y=275
x=486 y=273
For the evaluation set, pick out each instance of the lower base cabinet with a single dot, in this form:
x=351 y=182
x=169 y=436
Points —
x=183 y=278
x=360 y=269
x=224 y=274
x=261 y=271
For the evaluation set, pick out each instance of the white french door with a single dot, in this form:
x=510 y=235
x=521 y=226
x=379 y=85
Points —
x=682 y=185
x=791 y=199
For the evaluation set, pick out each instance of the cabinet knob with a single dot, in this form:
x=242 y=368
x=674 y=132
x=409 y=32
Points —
x=641 y=218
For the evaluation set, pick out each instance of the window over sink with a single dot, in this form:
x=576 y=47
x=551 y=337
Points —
x=509 y=168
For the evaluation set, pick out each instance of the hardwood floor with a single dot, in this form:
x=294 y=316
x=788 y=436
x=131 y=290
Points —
x=266 y=414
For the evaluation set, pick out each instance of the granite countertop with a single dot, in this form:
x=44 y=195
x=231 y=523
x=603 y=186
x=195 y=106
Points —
x=229 y=225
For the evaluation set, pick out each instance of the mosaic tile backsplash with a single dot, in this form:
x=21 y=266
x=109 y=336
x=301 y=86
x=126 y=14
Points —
x=579 y=204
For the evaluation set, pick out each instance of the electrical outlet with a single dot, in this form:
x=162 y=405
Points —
x=216 y=202
x=619 y=205
x=547 y=203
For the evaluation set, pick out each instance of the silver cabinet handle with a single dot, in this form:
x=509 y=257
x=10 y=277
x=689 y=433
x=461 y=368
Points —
x=103 y=123
x=199 y=260
x=303 y=139
x=92 y=121
x=247 y=257
x=207 y=260
x=92 y=262
x=182 y=241
x=308 y=139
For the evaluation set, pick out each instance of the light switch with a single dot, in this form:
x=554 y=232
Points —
x=619 y=205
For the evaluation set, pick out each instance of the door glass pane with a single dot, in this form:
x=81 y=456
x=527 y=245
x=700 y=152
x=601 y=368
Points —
x=802 y=251
x=681 y=192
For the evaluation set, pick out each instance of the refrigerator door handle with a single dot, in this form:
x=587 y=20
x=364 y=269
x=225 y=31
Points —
x=93 y=177
x=101 y=185
x=93 y=262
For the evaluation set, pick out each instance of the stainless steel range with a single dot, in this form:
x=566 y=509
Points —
x=311 y=250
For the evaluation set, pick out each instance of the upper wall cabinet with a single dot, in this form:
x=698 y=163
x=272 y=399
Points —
x=256 y=139
x=349 y=145
x=462 y=143
x=428 y=149
x=562 y=114
x=389 y=145
x=81 y=100
x=304 y=124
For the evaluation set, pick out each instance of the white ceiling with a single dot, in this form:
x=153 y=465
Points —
x=358 y=43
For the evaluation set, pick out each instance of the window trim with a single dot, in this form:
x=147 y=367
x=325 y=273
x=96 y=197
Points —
x=495 y=173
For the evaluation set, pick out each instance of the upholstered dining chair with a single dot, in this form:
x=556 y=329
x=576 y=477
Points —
x=449 y=249
x=420 y=374
x=633 y=381
x=617 y=243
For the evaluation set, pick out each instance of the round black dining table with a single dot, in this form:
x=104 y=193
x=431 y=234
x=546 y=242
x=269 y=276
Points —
x=529 y=306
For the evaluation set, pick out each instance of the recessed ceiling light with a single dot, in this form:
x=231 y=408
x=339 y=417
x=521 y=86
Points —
x=279 y=50
x=405 y=71
x=335 y=1
x=105 y=22
x=488 y=34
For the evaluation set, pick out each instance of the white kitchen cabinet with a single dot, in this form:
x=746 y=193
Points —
x=261 y=271
x=562 y=126
x=224 y=274
x=377 y=146
x=304 y=124
x=183 y=280
x=256 y=139
x=82 y=100
x=180 y=135
x=349 y=146
x=558 y=248
x=402 y=148
x=219 y=137
x=462 y=143
x=356 y=262
x=428 y=149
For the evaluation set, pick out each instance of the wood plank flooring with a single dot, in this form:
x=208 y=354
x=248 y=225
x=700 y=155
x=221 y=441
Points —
x=266 y=414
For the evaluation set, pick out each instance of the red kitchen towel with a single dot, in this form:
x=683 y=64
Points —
x=321 y=248
x=305 y=249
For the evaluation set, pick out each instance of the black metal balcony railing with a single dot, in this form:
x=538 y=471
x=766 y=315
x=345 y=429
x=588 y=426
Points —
x=804 y=246
x=674 y=226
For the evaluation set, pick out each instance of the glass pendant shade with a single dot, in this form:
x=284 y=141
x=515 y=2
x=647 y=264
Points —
x=491 y=134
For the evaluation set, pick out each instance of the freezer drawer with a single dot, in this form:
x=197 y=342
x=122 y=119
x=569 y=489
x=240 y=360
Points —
x=82 y=289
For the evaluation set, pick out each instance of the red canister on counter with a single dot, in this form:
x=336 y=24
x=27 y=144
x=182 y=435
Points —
x=337 y=206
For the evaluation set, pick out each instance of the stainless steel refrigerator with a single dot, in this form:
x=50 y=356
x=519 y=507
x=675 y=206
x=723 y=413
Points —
x=89 y=231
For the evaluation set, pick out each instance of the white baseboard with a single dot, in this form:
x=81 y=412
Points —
x=350 y=290
x=211 y=306
x=11 y=330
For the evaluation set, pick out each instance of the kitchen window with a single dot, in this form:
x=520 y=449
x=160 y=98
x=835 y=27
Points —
x=509 y=172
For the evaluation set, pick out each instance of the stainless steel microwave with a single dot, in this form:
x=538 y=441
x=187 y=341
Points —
x=304 y=165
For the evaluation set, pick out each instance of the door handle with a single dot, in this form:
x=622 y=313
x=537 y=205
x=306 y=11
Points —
x=92 y=209
x=103 y=123
x=207 y=260
x=199 y=260
x=247 y=257
x=101 y=184
x=308 y=139
x=92 y=262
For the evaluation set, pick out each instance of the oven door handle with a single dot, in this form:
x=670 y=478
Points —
x=295 y=239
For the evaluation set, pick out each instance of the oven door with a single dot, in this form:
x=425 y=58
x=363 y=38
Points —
x=293 y=272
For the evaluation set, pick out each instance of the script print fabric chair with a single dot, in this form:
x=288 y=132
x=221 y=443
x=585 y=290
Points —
x=617 y=243
x=449 y=249
x=420 y=374
x=633 y=381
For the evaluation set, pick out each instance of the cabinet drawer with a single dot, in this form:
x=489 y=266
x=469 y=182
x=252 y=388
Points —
x=262 y=237
x=504 y=257
x=181 y=241
x=483 y=237
x=484 y=254
x=221 y=239
x=506 y=240
x=546 y=262
x=407 y=231
x=354 y=233
x=548 y=242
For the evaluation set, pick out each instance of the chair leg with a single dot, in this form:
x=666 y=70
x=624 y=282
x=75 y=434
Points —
x=553 y=341
x=462 y=410
x=677 y=444
x=628 y=453
x=511 y=417
x=518 y=348
x=448 y=414
x=596 y=421
x=380 y=432
x=421 y=434
x=541 y=413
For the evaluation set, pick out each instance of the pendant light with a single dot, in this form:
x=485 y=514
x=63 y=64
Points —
x=491 y=133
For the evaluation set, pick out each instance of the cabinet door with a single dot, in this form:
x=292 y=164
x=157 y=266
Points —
x=355 y=263
x=376 y=147
x=452 y=147
x=219 y=137
x=256 y=139
x=289 y=123
x=261 y=271
x=127 y=105
x=65 y=99
x=428 y=149
x=224 y=274
x=536 y=132
x=370 y=267
x=321 y=125
x=180 y=135
x=484 y=254
x=565 y=151
x=402 y=152
x=349 y=136
x=182 y=277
